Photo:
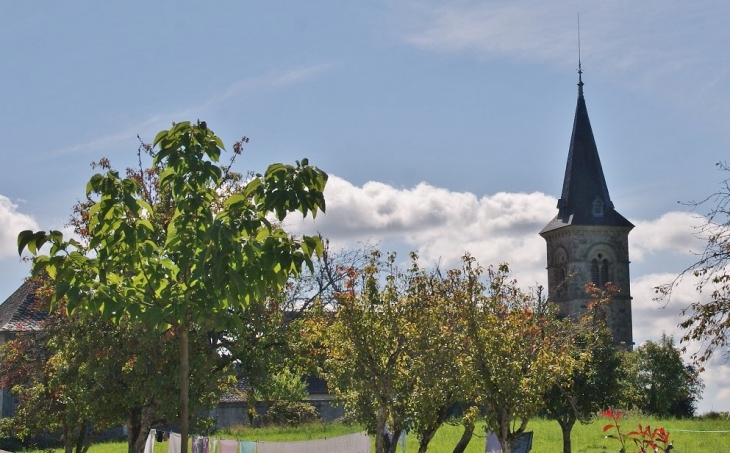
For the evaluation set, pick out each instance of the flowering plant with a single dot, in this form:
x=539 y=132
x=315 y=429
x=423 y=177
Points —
x=644 y=438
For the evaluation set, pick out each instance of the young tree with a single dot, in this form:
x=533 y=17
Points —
x=443 y=375
x=594 y=385
x=368 y=346
x=207 y=253
x=514 y=350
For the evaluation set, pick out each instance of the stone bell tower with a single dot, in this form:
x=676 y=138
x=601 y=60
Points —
x=588 y=240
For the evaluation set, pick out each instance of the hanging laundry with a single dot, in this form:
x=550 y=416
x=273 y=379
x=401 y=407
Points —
x=351 y=443
x=493 y=445
x=150 y=442
x=248 y=446
x=228 y=446
x=175 y=443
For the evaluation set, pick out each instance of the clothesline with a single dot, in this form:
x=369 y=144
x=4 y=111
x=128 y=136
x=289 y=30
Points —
x=350 y=443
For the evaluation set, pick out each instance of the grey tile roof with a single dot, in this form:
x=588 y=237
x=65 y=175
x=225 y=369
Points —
x=584 y=182
x=20 y=311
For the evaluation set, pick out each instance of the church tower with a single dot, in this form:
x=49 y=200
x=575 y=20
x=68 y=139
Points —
x=588 y=241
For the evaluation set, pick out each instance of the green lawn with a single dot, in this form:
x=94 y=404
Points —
x=688 y=435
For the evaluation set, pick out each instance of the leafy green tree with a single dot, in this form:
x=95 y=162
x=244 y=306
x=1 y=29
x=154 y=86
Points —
x=443 y=377
x=208 y=253
x=368 y=348
x=594 y=385
x=666 y=387
x=514 y=349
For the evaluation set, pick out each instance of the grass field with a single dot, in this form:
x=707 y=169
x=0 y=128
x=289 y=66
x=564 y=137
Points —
x=689 y=436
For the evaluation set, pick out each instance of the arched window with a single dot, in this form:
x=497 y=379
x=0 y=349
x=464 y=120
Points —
x=600 y=270
x=561 y=274
x=560 y=271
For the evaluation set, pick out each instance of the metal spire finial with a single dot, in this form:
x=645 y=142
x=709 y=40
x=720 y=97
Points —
x=580 y=69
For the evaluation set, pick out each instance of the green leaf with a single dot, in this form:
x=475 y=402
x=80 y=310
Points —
x=24 y=238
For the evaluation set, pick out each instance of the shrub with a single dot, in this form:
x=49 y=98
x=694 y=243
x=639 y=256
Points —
x=290 y=413
x=714 y=415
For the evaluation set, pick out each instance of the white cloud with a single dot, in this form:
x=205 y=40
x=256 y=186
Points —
x=12 y=222
x=441 y=225
x=673 y=232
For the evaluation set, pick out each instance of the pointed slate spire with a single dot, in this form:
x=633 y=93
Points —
x=584 y=199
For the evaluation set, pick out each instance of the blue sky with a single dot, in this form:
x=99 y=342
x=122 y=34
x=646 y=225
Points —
x=445 y=125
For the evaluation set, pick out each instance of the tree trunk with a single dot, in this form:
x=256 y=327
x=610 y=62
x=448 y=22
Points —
x=425 y=440
x=380 y=437
x=504 y=432
x=139 y=424
x=428 y=434
x=566 y=426
x=134 y=425
x=184 y=387
x=81 y=440
x=465 y=438
x=395 y=437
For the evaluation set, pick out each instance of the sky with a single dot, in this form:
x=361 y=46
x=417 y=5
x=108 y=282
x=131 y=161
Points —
x=444 y=125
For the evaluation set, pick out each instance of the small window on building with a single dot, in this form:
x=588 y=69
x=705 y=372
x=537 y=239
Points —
x=598 y=207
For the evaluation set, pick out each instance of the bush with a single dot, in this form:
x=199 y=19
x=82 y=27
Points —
x=290 y=413
x=714 y=415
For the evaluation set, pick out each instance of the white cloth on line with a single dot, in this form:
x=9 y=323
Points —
x=149 y=444
x=351 y=443
x=493 y=445
x=175 y=443
x=228 y=446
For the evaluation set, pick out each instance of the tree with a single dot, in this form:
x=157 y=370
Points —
x=594 y=385
x=709 y=322
x=441 y=365
x=514 y=349
x=367 y=346
x=662 y=384
x=206 y=254
x=62 y=376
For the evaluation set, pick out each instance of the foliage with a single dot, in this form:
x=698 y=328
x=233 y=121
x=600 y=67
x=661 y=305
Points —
x=658 y=382
x=514 y=348
x=709 y=322
x=186 y=252
x=595 y=384
x=367 y=345
x=285 y=386
x=644 y=438
x=402 y=347
x=290 y=413
x=62 y=377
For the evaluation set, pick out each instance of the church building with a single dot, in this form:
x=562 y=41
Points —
x=588 y=240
